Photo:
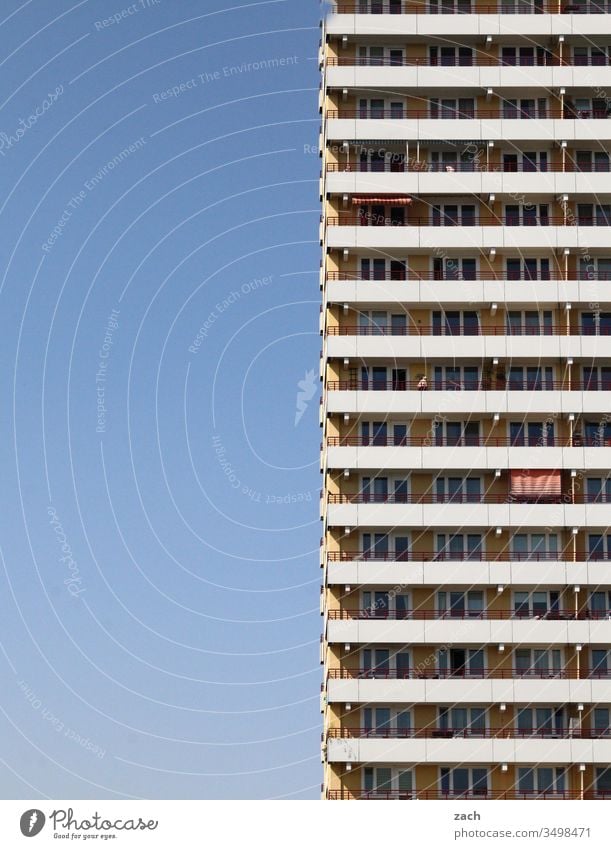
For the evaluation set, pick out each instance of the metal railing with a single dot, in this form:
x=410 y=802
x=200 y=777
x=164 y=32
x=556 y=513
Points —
x=525 y=441
x=467 y=328
x=465 y=220
x=345 y=673
x=467 y=733
x=447 y=277
x=506 y=114
x=467 y=498
x=465 y=794
x=543 y=385
x=475 y=61
x=459 y=7
x=384 y=613
x=477 y=556
x=395 y=163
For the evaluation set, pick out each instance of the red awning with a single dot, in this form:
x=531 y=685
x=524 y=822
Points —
x=390 y=201
x=535 y=482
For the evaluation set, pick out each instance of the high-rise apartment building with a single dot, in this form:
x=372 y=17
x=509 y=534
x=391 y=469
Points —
x=466 y=414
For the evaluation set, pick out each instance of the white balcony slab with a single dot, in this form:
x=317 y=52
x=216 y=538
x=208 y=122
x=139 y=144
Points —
x=476 y=129
x=468 y=691
x=417 y=750
x=464 y=238
x=432 y=403
x=468 y=515
x=468 y=631
x=431 y=347
x=468 y=573
x=451 y=25
x=460 y=77
x=432 y=293
x=466 y=182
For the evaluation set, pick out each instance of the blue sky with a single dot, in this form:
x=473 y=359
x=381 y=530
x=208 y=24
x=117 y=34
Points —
x=159 y=576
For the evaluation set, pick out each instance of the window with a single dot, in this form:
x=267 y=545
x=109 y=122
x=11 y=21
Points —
x=387 y=782
x=600 y=663
x=529 y=322
x=601 y=725
x=449 y=56
x=540 y=721
x=458 y=489
x=455 y=323
x=459 y=547
x=456 y=433
x=380 y=604
x=588 y=160
x=541 y=781
x=454 y=268
x=460 y=663
x=603 y=781
x=451 y=107
x=596 y=323
x=451 y=215
x=599 y=606
x=534 y=546
x=598 y=433
x=526 y=215
x=384 y=663
x=536 y=604
x=457 y=377
x=460 y=605
x=599 y=546
x=594 y=268
x=532 y=434
x=528 y=269
x=461 y=722
x=463 y=781
x=593 y=215
x=597 y=378
x=538 y=663
x=531 y=377
x=524 y=107
x=386 y=722
x=598 y=491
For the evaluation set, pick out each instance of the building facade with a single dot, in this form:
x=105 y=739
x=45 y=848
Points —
x=466 y=412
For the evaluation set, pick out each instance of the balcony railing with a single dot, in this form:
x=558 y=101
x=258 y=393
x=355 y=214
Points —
x=467 y=498
x=467 y=733
x=346 y=673
x=384 y=613
x=466 y=7
x=476 y=61
x=466 y=328
x=525 y=441
x=469 y=385
x=467 y=114
x=449 y=277
x=465 y=220
x=465 y=794
x=476 y=556
x=394 y=163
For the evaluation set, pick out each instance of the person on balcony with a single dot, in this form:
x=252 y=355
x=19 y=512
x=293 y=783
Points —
x=423 y=383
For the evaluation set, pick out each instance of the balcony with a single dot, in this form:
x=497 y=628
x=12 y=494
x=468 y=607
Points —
x=488 y=686
x=566 y=556
x=346 y=397
x=467 y=733
x=476 y=795
x=468 y=7
x=466 y=497
x=475 y=74
x=474 y=340
x=467 y=746
x=480 y=385
x=494 y=573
